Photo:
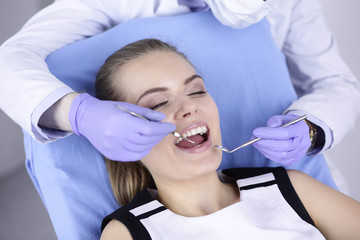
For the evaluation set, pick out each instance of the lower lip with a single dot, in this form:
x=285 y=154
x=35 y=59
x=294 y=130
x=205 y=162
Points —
x=201 y=148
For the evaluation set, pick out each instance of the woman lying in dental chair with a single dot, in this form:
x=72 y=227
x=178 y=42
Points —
x=175 y=192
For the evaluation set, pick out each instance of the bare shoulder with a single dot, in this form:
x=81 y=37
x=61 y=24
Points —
x=115 y=230
x=296 y=176
x=303 y=182
x=312 y=193
x=307 y=186
x=336 y=215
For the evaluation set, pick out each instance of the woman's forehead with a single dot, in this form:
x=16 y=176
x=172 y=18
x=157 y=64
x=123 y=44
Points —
x=155 y=69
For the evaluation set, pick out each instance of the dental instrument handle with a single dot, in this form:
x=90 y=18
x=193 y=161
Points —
x=257 y=139
x=132 y=113
x=246 y=144
x=294 y=121
x=176 y=134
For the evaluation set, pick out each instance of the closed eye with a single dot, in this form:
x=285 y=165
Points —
x=158 y=105
x=197 y=93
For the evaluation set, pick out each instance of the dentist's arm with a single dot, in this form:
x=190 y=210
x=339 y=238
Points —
x=328 y=91
x=118 y=135
x=27 y=88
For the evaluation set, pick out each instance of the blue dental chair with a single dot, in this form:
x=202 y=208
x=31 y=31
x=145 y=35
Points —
x=243 y=70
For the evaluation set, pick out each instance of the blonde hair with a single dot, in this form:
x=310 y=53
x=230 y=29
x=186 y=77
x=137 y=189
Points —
x=127 y=178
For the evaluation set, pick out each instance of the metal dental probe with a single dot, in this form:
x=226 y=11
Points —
x=176 y=134
x=257 y=139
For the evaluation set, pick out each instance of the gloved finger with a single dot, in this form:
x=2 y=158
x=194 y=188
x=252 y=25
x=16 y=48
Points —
x=278 y=145
x=295 y=130
x=279 y=158
x=145 y=140
x=278 y=120
x=145 y=112
x=288 y=161
x=274 y=121
x=287 y=146
x=284 y=156
x=272 y=133
x=149 y=128
x=138 y=148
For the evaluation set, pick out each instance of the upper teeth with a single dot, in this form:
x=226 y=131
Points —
x=199 y=130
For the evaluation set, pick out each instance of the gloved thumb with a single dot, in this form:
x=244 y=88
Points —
x=274 y=121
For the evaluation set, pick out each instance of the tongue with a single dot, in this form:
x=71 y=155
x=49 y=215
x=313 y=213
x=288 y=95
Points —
x=198 y=139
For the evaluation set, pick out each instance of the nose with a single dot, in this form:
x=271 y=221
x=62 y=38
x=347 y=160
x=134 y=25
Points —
x=186 y=108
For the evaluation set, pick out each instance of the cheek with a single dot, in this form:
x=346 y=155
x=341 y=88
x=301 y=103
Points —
x=212 y=109
x=215 y=121
x=169 y=114
x=158 y=155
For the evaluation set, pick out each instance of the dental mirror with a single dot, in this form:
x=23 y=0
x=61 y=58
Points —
x=257 y=139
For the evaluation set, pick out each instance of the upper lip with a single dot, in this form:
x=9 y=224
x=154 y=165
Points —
x=194 y=125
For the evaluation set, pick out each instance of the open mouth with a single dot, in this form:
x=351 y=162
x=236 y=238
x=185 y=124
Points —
x=198 y=134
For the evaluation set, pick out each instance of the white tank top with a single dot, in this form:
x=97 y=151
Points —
x=269 y=208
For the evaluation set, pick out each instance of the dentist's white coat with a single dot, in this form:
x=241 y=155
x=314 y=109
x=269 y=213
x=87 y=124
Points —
x=329 y=92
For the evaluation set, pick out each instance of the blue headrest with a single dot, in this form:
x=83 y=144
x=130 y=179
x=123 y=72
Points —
x=243 y=70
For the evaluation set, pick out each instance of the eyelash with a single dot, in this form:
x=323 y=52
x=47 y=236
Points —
x=158 y=105
x=163 y=103
x=199 y=92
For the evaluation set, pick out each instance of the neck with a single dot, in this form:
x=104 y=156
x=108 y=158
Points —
x=197 y=197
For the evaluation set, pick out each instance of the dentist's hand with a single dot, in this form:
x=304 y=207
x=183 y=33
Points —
x=284 y=145
x=117 y=134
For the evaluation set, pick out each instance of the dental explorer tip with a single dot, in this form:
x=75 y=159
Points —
x=219 y=147
x=222 y=148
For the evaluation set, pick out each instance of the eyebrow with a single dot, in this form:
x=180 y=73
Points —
x=162 y=89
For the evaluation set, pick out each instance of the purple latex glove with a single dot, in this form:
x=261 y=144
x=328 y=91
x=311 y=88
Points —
x=284 y=145
x=117 y=134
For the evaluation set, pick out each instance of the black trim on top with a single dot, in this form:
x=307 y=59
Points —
x=133 y=224
x=283 y=182
x=135 y=227
x=264 y=184
x=242 y=173
x=150 y=213
x=290 y=195
x=138 y=231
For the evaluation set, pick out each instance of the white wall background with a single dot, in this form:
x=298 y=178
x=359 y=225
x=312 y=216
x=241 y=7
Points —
x=343 y=19
x=16 y=191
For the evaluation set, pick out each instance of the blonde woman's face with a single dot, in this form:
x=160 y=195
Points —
x=165 y=82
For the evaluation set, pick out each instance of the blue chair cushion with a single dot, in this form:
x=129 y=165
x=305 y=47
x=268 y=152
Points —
x=243 y=70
